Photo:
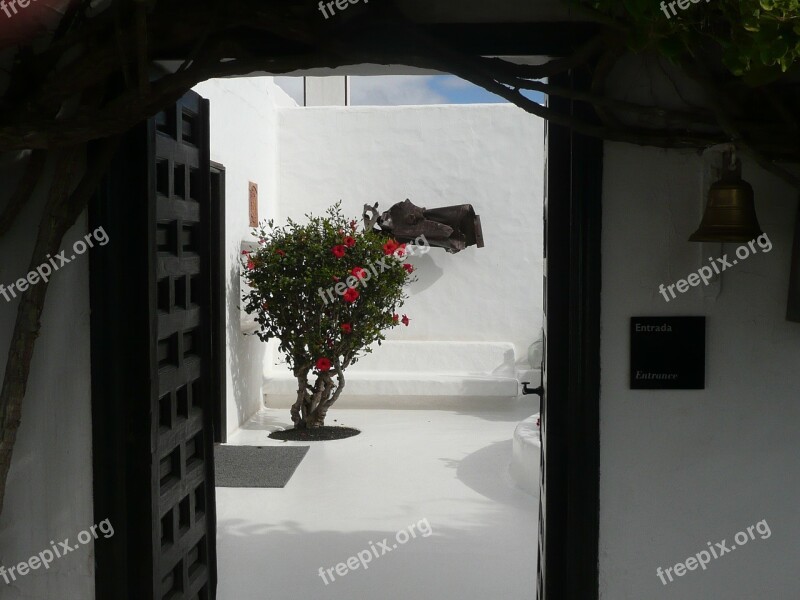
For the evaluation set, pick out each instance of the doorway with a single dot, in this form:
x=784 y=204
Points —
x=137 y=463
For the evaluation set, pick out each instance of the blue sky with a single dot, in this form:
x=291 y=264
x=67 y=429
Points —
x=397 y=90
x=458 y=91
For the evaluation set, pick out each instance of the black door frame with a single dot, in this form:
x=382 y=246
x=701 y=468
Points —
x=569 y=522
x=569 y=527
x=218 y=304
x=120 y=566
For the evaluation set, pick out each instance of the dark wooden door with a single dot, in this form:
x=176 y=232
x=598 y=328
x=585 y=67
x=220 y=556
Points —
x=182 y=469
x=156 y=357
x=570 y=410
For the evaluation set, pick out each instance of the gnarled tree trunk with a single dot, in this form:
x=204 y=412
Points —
x=312 y=403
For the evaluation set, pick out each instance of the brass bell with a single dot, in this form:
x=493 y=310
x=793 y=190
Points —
x=730 y=213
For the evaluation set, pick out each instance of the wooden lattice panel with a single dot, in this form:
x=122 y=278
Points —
x=181 y=436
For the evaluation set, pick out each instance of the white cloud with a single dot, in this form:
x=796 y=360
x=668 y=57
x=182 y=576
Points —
x=393 y=90
x=452 y=82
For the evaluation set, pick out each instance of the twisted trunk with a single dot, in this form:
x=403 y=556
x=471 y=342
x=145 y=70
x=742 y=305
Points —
x=297 y=407
x=322 y=410
x=311 y=407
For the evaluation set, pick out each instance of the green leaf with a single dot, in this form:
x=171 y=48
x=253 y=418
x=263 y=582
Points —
x=751 y=24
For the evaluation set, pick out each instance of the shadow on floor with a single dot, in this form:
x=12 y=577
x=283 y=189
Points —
x=282 y=562
x=486 y=472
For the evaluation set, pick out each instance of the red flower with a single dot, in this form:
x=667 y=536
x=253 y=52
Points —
x=358 y=272
x=349 y=241
x=262 y=241
x=353 y=224
x=338 y=251
x=404 y=320
x=408 y=267
x=401 y=251
x=347 y=328
x=281 y=252
x=251 y=265
x=351 y=295
x=323 y=364
x=395 y=318
x=245 y=253
x=389 y=247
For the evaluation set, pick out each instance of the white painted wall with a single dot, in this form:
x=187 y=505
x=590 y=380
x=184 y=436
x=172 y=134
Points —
x=488 y=155
x=683 y=468
x=244 y=136
x=49 y=493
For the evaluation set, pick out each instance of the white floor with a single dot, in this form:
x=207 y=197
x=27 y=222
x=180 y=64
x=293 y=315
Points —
x=448 y=469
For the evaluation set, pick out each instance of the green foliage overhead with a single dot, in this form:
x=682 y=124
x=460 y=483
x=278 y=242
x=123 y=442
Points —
x=759 y=40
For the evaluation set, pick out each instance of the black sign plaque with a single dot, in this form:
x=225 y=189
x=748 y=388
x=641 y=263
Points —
x=668 y=353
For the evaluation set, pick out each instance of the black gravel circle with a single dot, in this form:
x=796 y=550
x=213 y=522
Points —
x=327 y=432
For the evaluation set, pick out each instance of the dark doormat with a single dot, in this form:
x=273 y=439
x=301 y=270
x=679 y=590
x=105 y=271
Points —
x=256 y=466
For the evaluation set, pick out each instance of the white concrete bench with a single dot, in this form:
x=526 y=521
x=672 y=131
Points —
x=412 y=373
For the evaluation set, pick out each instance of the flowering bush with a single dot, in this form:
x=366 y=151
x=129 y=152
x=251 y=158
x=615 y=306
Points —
x=293 y=275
